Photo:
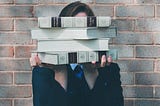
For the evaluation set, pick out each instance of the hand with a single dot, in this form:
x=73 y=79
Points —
x=35 y=60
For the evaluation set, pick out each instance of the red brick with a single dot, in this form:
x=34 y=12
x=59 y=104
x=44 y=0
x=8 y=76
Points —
x=6 y=51
x=6 y=78
x=6 y=24
x=15 y=91
x=23 y=51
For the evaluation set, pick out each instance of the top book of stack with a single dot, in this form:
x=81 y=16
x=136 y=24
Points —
x=74 y=22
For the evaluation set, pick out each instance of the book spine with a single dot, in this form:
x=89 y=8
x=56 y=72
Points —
x=71 y=57
x=92 y=21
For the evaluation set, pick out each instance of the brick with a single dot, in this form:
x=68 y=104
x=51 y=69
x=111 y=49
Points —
x=63 y=1
x=54 y=10
x=15 y=38
x=22 y=77
x=158 y=10
x=23 y=51
x=124 y=24
x=15 y=91
x=128 y=102
x=157 y=65
x=6 y=24
x=156 y=38
x=101 y=10
x=147 y=102
x=6 y=51
x=23 y=102
x=124 y=51
x=147 y=78
x=26 y=1
x=4 y=102
x=148 y=51
x=14 y=65
x=133 y=38
x=127 y=78
x=135 y=11
x=114 y=1
x=6 y=78
x=136 y=65
x=137 y=92
x=6 y=1
x=148 y=1
x=147 y=24
x=157 y=92
x=16 y=11
x=25 y=24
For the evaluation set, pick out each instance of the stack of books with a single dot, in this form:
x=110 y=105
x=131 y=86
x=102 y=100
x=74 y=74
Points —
x=65 y=40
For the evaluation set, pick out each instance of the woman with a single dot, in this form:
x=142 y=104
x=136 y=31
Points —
x=65 y=87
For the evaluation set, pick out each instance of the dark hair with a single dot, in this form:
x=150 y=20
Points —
x=74 y=8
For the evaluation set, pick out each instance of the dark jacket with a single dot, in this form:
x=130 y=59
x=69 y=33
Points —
x=48 y=92
x=107 y=90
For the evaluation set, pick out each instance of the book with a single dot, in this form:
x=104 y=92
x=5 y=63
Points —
x=90 y=21
x=70 y=57
x=74 y=33
x=73 y=45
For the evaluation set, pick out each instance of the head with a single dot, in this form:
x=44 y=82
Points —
x=76 y=9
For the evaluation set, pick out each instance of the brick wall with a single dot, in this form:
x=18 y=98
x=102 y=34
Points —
x=138 y=45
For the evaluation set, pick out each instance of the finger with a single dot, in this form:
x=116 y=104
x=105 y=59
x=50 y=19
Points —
x=37 y=60
x=32 y=62
x=103 y=60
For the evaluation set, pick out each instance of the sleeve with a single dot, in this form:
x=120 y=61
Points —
x=118 y=99
x=41 y=82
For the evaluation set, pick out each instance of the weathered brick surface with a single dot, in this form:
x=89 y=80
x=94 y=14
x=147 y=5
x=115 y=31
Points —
x=127 y=78
x=23 y=102
x=147 y=78
x=103 y=10
x=15 y=91
x=134 y=38
x=4 y=102
x=25 y=24
x=15 y=38
x=148 y=51
x=63 y=1
x=147 y=102
x=157 y=92
x=40 y=11
x=22 y=78
x=16 y=11
x=148 y=24
x=138 y=92
x=114 y=1
x=124 y=51
x=148 y=1
x=128 y=103
x=158 y=10
x=6 y=78
x=6 y=24
x=124 y=24
x=135 y=11
x=26 y=1
x=156 y=38
x=6 y=51
x=6 y=1
x=14 y=65
x=157 y=65
x=136 y=65
x=23 y=51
